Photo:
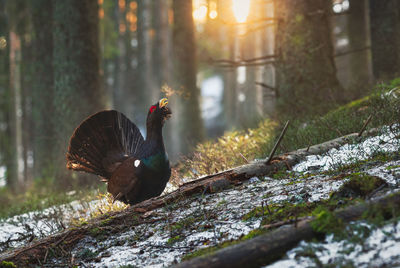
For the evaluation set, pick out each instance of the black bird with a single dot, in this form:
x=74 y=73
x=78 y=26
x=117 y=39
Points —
x=108 y=144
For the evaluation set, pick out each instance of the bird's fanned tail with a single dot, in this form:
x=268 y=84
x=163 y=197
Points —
x=101 y=142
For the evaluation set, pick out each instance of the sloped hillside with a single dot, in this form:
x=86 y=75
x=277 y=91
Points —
x=214 y=215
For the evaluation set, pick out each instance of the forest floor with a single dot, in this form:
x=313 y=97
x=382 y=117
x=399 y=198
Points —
x=217 y=212
x=204 y=222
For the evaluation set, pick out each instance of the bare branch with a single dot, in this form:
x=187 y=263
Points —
x=352 y=51
x=278 y=142
x=364 y=126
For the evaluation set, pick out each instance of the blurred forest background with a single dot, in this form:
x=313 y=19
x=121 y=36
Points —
x=224 y=64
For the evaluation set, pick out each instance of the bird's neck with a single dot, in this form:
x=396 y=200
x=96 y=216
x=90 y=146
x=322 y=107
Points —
x=154 y=137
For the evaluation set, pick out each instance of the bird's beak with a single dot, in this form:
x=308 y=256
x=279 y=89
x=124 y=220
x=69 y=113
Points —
x=163 y=102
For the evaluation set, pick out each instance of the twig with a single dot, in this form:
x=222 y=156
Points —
x=281 y=223
x=364 y=126
x=45 y=255
x=351 y=51
x=265 y=85
x=269 y=211
x=245 y=159
x=278 y=142
x=170 y=247
x=244 y=60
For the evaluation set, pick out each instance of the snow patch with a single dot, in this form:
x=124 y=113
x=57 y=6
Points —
x=350 y=153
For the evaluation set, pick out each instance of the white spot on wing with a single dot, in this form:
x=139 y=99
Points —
x=136 y=163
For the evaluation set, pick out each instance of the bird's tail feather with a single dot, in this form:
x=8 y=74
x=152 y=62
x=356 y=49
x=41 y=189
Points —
x=101 y=142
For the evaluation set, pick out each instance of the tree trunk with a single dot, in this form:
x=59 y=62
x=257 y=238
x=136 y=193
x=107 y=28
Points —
x=161 y=45
x=7 y=140
x=185 y=70
x=119 y=73
x=144 y=88
x=43 y=88
x=26 y=105
x=76 y=68
x=15 y=173
x=306 y=73
x=360 y=64
x=385 y=39
x=269 y=95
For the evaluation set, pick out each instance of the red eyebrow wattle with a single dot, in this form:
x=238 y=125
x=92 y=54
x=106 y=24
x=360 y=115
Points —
x=152 y=108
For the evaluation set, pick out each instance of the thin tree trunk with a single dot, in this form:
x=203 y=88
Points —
x=161 y=45
x=7 y=140
x=26 y=111
x=145 y=87
x=43 y=89
x=269 y=95
x=360 y=63
x=16 y=171
x=119 y=73
x=385 y=39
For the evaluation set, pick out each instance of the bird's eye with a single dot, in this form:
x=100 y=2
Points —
x=152 y=108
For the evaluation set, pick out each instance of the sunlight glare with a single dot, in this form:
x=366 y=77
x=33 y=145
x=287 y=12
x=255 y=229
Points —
x=241 y=9
x=213 y=14
x=200 y=14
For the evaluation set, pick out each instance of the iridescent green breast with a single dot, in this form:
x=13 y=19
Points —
x=157 y=163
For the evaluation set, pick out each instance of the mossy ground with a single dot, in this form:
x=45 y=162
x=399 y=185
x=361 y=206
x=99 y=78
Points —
x=238 y=147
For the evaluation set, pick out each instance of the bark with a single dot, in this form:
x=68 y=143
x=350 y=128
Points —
x=35 y=251
x=15 y=174
x=251 y=48
x=269 y=94
x=385 y=40
x=6 y=141
x=145 y=84
x=119 y=71
x=306 y=72
x=43 y=89
x=26 y=106
x=161 y=45
x=185 y=69
x=360 y=64
x=77 y=91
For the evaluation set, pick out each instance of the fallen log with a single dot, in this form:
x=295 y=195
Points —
x=269 y=247
x=35 y=252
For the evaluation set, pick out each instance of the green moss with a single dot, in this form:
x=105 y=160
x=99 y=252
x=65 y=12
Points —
x=106 y=221
x=87 y=254
x=280 y=174
x=380 y=214
x=359 y=185
x=211 y=250
x=97 y=232
x=326 y=221
x=254 y=233
x=7 y=264
x=280 y=212
x=174 y=239
x=392 y=167
x=183 y=223
x=222 y=202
